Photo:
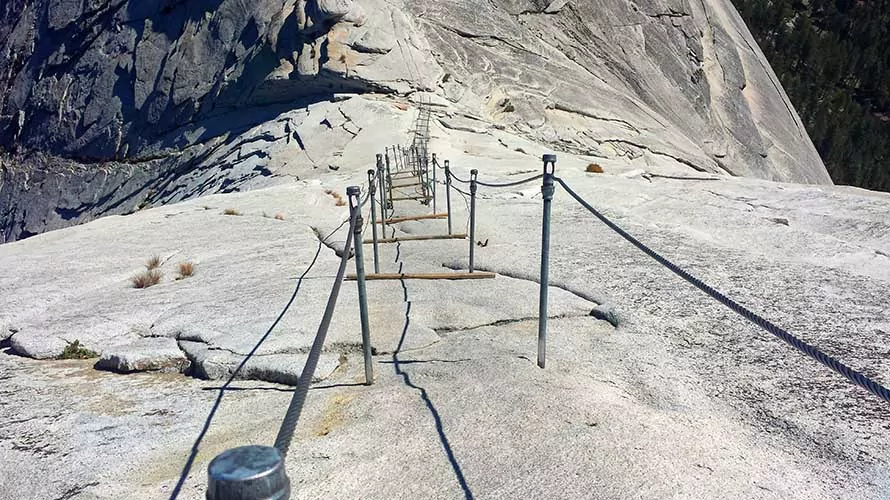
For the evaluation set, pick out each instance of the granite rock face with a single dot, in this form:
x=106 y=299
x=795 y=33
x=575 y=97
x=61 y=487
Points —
x=147 y=354
x=109 y=106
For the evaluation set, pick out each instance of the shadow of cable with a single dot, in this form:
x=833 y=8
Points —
x=419 y=362
x=443 y=438
x=281 y=389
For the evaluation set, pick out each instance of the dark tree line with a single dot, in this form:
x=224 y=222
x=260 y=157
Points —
x=833 y=58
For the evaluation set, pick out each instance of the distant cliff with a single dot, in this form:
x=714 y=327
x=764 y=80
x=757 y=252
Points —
x=105 y=106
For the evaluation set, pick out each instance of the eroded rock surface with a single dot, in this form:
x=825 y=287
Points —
x=114 y=106
x=683 y=391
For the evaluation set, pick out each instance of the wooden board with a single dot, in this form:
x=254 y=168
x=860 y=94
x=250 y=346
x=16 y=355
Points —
x=408 y=198
x=420 y=238
x=407 y=185
x=476 y=275
x=395 y=220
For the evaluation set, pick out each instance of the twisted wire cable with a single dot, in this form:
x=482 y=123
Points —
x=289 y=423
x=509 y=184
x=186 y=469
x=458 y=179
x=832 y=363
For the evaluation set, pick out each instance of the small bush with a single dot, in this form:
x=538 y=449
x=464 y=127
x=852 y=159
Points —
x=146 y=279
x=185 y=269
x=153 y=263
x=231 y=211
x=279 y=216
x=76 y=351
x=338 y=198
x=593 y=168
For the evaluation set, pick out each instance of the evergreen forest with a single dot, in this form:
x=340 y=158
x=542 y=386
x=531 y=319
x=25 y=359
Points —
x=833 y=58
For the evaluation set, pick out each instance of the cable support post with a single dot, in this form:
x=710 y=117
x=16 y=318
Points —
x=434 y=185
x=473 y=174
x=355 y=205
x=295 y=408
x=387 y=191
x=426 y=173
x=448 y=193
x=382 y=181
x=372 y=189
x=547 y=190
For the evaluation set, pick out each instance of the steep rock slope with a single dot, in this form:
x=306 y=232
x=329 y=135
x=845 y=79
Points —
x=684 y=399
x=106 y=106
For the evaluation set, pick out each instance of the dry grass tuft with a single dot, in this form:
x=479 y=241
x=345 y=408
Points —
x=279 y=216
x=338 y=198
x=185 y=269
x=153 y=263
x=594 y=168
x=231 y=211
x=146 y=279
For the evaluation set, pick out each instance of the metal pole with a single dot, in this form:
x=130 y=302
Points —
x=415 y=162
x=473 y=186
x=383 y=202
x=248 y=473
x=380 y=181
x=355 y=205
x=448 y=193
x=547 y=190
x=372 y=188
x=425 y=174
x=387 y=183
x=435 y=186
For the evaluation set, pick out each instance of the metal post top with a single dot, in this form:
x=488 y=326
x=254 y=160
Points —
x=353 y=191
x=549 y=158
x=248 y=472
x=447 y=162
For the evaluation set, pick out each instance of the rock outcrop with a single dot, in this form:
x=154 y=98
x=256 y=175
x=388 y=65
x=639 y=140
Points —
x=107 y=107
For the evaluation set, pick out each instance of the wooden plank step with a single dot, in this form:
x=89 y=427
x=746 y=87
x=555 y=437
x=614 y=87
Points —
x=407 y=198
x=396 y=186
x=395 y=220
x=455 y=236
x=475 y=275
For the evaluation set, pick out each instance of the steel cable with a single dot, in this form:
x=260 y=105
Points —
x=458 y=179
x=460 y=191
x=216 y=404
x=289 y=423
x=837 y=366
x=509 y=184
